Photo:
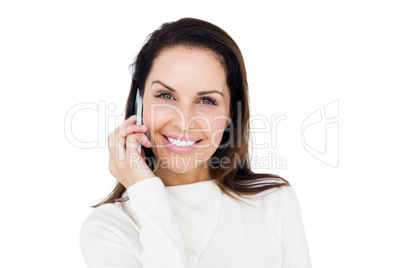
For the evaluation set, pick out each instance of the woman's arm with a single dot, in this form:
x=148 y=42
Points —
x=295 y=248
x=103 y=245
x=159 y=234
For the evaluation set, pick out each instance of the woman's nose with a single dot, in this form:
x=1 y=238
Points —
x=188 y=118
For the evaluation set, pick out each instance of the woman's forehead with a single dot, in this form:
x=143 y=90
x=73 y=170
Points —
x=195 y=69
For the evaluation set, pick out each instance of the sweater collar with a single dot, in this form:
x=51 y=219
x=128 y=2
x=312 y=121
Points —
x=191 y=192
x=194 y=193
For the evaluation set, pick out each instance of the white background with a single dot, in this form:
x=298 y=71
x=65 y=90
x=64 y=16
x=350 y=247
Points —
x=299 y=55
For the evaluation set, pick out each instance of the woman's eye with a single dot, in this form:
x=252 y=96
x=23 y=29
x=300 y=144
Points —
x=165 y=96
x=168 y=96
x=208 y=101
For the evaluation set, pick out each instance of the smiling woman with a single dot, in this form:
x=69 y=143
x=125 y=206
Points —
x=173 y=205
x=187 y=113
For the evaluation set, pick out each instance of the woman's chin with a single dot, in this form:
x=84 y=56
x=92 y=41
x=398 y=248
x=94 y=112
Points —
x=175 y=165
x=178 y=169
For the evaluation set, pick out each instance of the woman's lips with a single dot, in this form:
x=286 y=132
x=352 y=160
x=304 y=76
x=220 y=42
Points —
x=179 y=149
x=181 y=137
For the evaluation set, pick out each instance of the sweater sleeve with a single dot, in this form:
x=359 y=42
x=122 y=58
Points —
x=161 y=244
x=102 y=244
x=295 y=247
x=160 y=235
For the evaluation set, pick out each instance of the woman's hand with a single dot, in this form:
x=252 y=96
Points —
x=126 y=164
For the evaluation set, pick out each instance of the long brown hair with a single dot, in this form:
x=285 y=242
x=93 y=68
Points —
x=238 y=178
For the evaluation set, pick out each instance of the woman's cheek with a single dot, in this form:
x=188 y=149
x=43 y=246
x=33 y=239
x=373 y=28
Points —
x=152 y=124
x=157 y=115
x=218 y=127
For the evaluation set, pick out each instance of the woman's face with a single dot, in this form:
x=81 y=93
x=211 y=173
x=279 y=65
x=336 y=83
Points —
x=185 y=98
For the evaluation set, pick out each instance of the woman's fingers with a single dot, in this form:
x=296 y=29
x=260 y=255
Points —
x=130 y=120
x=132 y=154
x=130 y=129
x=133 y=140
x=137 y=138
x=126 y=163
x=117 y=139
x=120 y=131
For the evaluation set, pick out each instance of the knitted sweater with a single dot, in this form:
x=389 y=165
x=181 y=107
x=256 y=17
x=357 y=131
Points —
x=195 y=225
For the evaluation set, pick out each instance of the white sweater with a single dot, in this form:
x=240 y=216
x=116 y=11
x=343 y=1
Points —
x=195 y=225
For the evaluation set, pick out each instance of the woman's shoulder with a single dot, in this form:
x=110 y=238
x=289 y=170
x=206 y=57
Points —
x=281 y=202
x=282 y=196
x=103 y=213
x=280 y=192
x=112 y=216
x=276 y=197
x=108 y=233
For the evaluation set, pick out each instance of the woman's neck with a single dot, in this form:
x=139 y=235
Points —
x=170 y=178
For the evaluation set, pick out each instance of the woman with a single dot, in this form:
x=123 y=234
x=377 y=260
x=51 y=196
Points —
x=181 y=202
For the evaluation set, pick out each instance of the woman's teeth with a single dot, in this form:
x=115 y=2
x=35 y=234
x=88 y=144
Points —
x=181 y=143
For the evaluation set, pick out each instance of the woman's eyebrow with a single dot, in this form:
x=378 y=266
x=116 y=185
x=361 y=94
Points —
x=173 y=90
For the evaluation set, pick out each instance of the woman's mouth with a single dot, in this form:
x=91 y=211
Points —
x=180 y=146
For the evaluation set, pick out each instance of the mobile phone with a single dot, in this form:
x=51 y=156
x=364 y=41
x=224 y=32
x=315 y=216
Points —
x=138 y=112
